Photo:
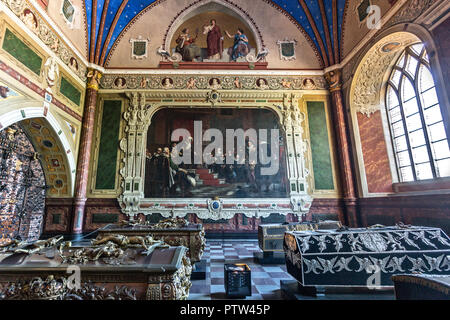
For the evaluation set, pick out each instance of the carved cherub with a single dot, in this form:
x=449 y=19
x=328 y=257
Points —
x=191 y=83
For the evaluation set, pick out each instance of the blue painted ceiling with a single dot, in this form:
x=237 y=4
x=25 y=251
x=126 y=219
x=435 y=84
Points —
x=132 y=8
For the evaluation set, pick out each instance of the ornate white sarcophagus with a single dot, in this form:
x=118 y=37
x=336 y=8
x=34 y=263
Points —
x=364 y=257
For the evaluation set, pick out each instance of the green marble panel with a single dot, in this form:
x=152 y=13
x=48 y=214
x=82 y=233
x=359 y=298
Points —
x=320 y=147
x=70 y=91
x=22 y=52
x=105 y=218
x=109 y=144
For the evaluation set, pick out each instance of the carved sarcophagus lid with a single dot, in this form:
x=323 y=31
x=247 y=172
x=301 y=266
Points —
x=365 y=257
x=270 y=236
x=192 y=236
x=102 y=272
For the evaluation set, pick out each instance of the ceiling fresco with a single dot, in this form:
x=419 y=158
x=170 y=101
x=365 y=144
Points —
x=321 y=20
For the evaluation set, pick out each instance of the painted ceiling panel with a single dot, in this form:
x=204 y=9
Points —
x=292 y=8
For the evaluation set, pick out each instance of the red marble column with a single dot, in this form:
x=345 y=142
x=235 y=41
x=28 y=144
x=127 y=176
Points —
x=87 y=132
x=343 y=149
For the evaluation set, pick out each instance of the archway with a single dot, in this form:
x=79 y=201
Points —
x=214 y=6
x=58 y=158
x=373 y=143
x=22 y=187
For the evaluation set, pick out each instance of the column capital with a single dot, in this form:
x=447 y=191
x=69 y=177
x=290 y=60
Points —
x=94 y=77
x=334 y=79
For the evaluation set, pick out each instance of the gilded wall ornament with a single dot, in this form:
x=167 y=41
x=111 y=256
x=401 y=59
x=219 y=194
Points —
x=368 y=78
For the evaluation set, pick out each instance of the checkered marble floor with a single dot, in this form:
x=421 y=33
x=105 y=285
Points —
x=265 y=278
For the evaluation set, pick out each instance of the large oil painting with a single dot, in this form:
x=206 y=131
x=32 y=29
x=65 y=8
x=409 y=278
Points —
x=240 y=154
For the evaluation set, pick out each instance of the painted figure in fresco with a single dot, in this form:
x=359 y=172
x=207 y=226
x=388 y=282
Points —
x=186 y=46
x=214 y=40
x=240 y=47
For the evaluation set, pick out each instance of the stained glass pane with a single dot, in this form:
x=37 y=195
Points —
x=410 y=107
x=411 y=65
x=396 y=115
x=401 y=61
x=406 y=174
x=420 y=154
x=398 y=129
x=417 y=138
x=440 y=149
x=417 y=48
x=403 y=159
x=395 y=78
x=433 y=114
x=400 y=144
x=425 y=78
x=437 y=132
x=407 y=89
x=443 y=168
x=392 y=99
x=423 y=171
x=429 y=98
x=413 y=122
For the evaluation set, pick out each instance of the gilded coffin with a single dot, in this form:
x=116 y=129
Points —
x=364 y=256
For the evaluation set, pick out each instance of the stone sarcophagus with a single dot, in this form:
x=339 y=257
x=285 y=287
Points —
x=122 y=268
x=175 y=232
x=364 y=257
x=270 y=236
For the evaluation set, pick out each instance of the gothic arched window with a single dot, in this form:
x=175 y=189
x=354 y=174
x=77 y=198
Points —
x=415 y=119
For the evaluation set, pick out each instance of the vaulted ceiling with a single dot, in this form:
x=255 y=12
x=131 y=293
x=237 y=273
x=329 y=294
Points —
x=320 y=20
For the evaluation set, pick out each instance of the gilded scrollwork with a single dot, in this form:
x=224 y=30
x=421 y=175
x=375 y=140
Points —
x=53 y=288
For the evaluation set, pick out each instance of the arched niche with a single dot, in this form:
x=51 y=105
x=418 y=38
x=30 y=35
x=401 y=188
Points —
x=48 y=137
x=366 y=96
x=214 y=6
x=22 y=187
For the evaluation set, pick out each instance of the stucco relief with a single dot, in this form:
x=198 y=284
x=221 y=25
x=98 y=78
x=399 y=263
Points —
x=368 y=80
x=45 y=33
x=227 y=82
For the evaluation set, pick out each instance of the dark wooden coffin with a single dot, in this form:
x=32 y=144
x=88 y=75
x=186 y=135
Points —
x=421 y=287
x=270 y=236
x=192 y=236
x=164 y=274
x=365 y=257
